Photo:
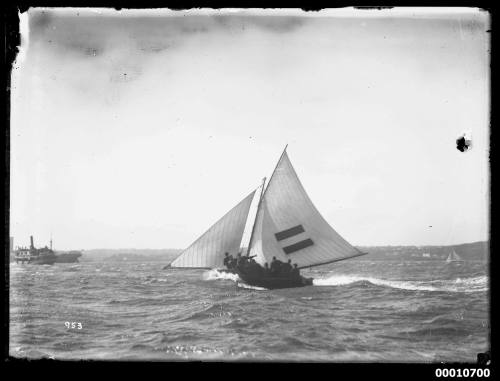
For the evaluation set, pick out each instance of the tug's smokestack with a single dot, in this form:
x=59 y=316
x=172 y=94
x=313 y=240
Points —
x=31 y=240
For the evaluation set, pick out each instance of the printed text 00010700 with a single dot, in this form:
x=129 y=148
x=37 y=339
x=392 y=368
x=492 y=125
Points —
x=466 y=372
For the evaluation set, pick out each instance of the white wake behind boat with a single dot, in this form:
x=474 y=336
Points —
x=286 y=225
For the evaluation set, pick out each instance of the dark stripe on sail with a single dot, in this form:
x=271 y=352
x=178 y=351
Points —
x=289 y=232
x=298 y=246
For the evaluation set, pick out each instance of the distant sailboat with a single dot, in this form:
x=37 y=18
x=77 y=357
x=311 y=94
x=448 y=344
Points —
x=286 y=226
x=453 y=257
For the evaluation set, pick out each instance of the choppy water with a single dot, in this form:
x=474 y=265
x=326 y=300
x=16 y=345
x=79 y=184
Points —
x=421 y=311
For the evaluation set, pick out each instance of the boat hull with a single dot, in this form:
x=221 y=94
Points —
x=271 y=282
x=44 y=261
x=38 y=260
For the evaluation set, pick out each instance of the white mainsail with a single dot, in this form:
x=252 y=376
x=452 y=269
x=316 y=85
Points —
x=288 y=225
x=224 y=236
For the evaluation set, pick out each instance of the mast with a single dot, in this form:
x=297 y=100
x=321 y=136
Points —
x=255 y=220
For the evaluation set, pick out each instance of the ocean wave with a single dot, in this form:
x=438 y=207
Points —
x=247 y=286
x=71 y=269
x=26 y=352
x=474 y=284
x=191 y=350
x=159 y=280
x=437 y=332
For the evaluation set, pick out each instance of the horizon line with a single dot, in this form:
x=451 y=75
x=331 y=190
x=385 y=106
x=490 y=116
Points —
x=173 y=248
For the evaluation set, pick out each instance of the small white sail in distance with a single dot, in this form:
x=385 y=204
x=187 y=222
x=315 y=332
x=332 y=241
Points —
x=453 y=256
x=288 y=225
x=224 y=236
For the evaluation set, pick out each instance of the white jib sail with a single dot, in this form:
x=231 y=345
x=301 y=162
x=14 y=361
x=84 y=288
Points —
x=288 y=225
x=224 y=236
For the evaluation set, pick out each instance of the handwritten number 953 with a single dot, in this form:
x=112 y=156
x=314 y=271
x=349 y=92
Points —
x=73 y=325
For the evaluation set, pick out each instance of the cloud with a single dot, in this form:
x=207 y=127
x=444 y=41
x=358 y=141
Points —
x=116 y=47
x=90 y=34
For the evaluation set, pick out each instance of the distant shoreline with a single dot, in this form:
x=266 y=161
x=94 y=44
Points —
x=467 y=251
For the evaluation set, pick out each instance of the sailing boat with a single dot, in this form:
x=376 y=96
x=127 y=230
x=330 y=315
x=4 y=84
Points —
x=286 y=226
x=453 y=257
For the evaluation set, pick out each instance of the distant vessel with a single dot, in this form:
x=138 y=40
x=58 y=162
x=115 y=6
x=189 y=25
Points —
x=43 y=256
x=426 y=255
x=68 y=256
x=286 y=225
x=453 y=257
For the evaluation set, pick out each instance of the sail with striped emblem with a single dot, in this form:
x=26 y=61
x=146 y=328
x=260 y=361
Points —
x=288 y=225
x=224 y=236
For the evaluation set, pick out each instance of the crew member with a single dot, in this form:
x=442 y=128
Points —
x=275 y=266
x=227 y=260
x=233 y=262
x=252 y=266
x=286 y=268
x=240 y=261
x=266 y=268
x=295 y=271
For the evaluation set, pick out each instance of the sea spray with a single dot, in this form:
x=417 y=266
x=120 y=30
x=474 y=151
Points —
x=216 y=274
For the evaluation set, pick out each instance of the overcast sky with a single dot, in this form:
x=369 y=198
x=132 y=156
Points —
x=142 y=129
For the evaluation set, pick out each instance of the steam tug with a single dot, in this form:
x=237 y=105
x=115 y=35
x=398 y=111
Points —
x=43 y=256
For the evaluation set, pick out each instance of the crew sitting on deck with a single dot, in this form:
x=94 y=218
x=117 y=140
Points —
x=254 y=265
x=228 y=259
x=249 y=266
x=266 y=269
x=286 y=268
x=276 y=265
x=295 y=271
x=244 y=261
x=233 y=262
x=240 y=261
